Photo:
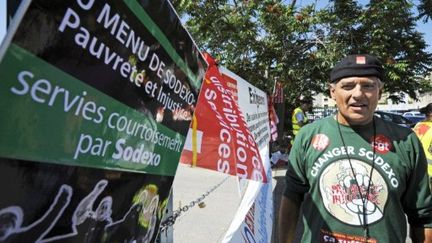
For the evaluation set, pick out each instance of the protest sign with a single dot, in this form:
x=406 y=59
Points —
x=253 y=221
x=97 y=97
x=223 y=140
x=253 y=104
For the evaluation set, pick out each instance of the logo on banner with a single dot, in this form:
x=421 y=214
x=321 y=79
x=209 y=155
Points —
x=255 y=98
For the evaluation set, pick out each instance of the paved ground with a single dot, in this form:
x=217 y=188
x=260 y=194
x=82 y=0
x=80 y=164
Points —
x=278 y=176
x=207 y=224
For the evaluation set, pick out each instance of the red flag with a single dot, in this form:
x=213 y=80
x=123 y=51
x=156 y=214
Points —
x=279 y=108
x=273 y=119
x=221 y=140
x=278 y=95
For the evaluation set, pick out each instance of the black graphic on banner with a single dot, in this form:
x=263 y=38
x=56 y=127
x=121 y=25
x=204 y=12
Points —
x=52 y=203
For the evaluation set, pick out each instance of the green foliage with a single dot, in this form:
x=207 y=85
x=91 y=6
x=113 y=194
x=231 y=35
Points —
x=262 y=40
x=425 y=10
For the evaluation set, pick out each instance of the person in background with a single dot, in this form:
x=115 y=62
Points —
x=423 y=130
x=299 y=118
x=354 y=175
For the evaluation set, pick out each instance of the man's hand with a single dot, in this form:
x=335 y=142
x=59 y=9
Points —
x=421 y=235
x=288 y=216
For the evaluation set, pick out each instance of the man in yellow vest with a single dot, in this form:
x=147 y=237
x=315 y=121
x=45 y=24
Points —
x=423 y=130
x=299 y=118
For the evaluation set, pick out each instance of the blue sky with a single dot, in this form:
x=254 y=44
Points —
x=421 y=27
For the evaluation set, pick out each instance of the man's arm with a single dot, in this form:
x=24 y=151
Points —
x=288 y=216
x=421 y=235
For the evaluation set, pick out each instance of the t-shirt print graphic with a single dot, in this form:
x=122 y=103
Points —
x=341 y=196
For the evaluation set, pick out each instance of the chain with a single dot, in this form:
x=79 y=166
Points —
x=171 y=219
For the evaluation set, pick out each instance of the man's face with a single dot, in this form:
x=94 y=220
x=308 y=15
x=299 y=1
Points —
x=356 y=99
x=307 y=106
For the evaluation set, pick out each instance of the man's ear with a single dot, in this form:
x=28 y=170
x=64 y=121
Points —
x=332 y=90
x=380 y=93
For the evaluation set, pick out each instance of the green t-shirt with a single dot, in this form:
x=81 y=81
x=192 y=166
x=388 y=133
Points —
x=320 y=174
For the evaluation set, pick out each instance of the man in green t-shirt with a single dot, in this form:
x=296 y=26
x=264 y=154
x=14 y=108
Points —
x=355 y=175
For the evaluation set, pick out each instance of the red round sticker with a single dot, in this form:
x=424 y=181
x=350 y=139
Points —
x=382 y=144
x=320 y=142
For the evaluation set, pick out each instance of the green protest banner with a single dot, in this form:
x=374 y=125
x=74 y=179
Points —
x=97 y=97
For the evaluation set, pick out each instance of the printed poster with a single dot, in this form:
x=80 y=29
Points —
x=220 y=134
x=96 y=101
x=253 y=221
x=253 y=104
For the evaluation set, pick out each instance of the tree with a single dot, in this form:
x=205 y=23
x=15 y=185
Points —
x=264 y=39
x=425 y=10
x=386 y=29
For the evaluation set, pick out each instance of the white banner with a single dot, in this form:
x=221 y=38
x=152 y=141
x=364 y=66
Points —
x=253 y=104
x=254 y=219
